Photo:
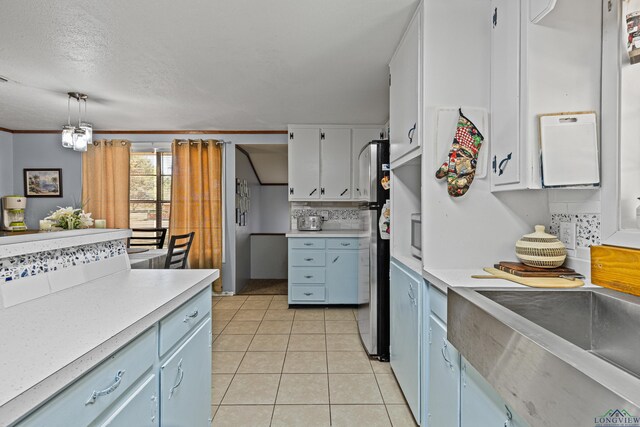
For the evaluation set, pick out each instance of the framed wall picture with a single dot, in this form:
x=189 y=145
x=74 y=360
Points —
x=43 y=182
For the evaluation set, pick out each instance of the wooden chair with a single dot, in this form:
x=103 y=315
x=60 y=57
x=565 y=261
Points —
x=178 y=253
x=156 y=239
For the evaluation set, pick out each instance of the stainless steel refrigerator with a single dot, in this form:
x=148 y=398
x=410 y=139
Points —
x=373 y=277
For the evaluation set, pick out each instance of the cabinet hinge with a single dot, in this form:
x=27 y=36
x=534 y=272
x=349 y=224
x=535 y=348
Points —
x=381 y=135
x=291 y=191
x=322 y=191
x=321 y=135
x=290 y=135
x=495 y=17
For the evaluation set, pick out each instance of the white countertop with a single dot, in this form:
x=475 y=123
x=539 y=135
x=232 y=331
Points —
x=442 y=279
x=328 y=233
x=49 y=342
x=21 y=243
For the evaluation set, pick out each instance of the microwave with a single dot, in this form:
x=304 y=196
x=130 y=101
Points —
x=416 y=235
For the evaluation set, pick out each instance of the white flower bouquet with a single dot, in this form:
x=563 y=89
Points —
x=70 y=219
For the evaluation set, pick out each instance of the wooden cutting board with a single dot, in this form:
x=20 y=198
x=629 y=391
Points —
x=522 y=270
x=536 y=282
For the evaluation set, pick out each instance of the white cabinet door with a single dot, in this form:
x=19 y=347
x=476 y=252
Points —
x=335 y=171
x=505 y=92
x=304 y=163
x=185 y=382
x=360 y=138
x=404 y=93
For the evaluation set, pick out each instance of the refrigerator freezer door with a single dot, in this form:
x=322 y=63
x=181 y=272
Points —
x=368 y=284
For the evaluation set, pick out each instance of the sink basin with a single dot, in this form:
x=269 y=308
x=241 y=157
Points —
x=558 y=357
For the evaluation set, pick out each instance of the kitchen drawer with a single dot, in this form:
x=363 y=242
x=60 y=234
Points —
x=307 y=275
x=307 y=293
x=342 y=243
x=86 y=399
x=307 y=258
x=438 y=302
x=313 y=243
x=182 y=320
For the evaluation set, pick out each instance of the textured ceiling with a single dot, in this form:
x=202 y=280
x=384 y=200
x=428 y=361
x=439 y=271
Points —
x=198 y=64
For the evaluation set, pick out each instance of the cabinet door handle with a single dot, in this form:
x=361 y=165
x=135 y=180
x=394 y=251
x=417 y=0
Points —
x=308 y=293
x=190 y=316
x=308 y=244
x=411 y=132
x=336 y=259
x=344 y=192
x=503 y=164
x=98 y=393
x=314 y=190
x=345 y=244
x=308 y=277
x=308 y=259
x=507 y=422
x=179 y=376
x=444 y=352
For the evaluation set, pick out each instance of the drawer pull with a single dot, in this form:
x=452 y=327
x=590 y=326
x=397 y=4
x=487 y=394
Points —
x=191 y=315
x=308 y=244
x=308 y=293
x=336 y=259
x=179 y=376
x=308 y=259
x=345 y=244
x=308 y=277
x=96 y=394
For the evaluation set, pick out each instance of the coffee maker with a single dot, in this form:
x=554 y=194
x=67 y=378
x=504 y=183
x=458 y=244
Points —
x=13 y=213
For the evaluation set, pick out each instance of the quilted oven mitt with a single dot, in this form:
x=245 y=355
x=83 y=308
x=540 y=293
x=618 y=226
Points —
x=460 y=167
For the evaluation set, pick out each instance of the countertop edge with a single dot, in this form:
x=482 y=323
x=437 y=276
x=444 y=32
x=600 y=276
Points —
x=326 y=233
x=25 y=403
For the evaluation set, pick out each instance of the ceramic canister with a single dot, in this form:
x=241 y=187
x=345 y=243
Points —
x=541 y=249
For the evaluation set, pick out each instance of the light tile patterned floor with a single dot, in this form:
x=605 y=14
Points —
x=274 y=366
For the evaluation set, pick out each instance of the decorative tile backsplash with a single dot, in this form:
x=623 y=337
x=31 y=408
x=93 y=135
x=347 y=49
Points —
x=587 y=227
x=16 y=267
x=343 y=217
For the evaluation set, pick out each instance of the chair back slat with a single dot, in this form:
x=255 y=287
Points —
x=176 y=256
x=147 y=239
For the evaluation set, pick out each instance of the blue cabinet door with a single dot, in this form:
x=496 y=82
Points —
x=139 y=409
x=444 y=378
x=185 y=382
x=342 y=277
x=480 y=404
x=404 y=298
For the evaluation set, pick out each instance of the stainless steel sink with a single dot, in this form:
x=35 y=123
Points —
x=558 y=357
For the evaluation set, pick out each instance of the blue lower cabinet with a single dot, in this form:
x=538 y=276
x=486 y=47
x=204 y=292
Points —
x=480 y=404
x=444 y=378
x=342 y=277
x=323 y=271
x=405 y=331
x=139 y=409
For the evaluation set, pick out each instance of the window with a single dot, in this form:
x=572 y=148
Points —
x=150 y=190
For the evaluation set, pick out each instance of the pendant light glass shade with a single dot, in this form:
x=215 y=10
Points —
x=79 y=139
x=67 y=136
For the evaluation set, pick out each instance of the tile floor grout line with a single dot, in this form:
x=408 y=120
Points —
x=275 y=399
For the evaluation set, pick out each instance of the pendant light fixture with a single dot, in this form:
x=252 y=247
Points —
x=77 y=137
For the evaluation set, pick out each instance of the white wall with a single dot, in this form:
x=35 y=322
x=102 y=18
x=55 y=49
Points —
x=6 y=164
x=480 y=228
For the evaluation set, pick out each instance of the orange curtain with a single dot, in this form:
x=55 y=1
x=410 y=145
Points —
x=196 y=200
x=105 y=181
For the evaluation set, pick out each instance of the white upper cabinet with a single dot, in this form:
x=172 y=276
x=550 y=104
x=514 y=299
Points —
x=323 y=160
x=505 y=92
x=536 y=70
x=405 y=88
x=304 y=163
x=335 y=163
x=359 y=138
